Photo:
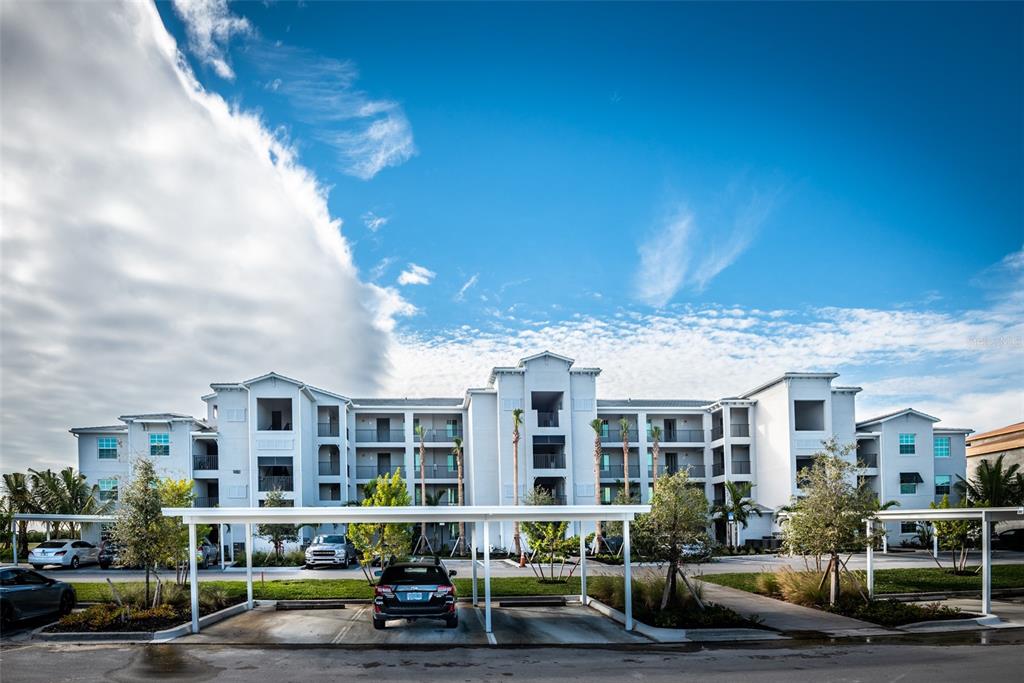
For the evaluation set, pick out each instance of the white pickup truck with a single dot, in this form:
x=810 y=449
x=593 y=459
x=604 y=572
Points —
x=334 y=550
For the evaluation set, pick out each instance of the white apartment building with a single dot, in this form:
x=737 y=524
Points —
x=321 y=448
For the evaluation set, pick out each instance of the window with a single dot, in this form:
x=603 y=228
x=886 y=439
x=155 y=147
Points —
x=107 y=447
x=808 y=416
x=214 y=411
x=452 y=428
x=606 y=462
x=604 y=429
x=907 y=444
x=453 y=466
x=909 y=482
x=941 y=447
x=159 y=444
x=908 y=527
x=108 y=489
x=943 y=484
x=606 y=494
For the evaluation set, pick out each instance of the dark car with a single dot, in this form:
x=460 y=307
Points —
x=412 y=590
x=25 y=594
x=1009 y=540
x=110 y=555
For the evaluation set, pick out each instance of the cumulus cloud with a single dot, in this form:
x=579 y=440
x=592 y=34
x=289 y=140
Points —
x=210 y=26
x=466 y=286
x=416 y=275
x=154 y=239
x=373 y=222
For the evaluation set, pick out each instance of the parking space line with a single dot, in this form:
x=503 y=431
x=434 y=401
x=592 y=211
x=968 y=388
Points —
x=490 y=636
x=348 y=627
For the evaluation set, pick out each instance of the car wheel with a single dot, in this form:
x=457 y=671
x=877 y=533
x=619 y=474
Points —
x=75 y=562
x=37 y=567
x=6 y=615
x=104 y=565
x=379 y=624
x=67 y=603
x=452 y=621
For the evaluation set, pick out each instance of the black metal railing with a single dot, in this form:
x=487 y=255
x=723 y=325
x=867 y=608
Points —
x=615 y=435
x=440 y=435
x=374 y=471
x=327 y=429
x=329 y=468
x=718 y=469
x=380 y=435
x=741 y=467
x=330 y=493
x=679 y=436
x=276 y=483
x=868 y=460
x=716 y=433
x=739 y=429
x=617 y=471
x=696 y=471
x=549 y=462
x=204 y=462
x=206 y=502
x=547 y=419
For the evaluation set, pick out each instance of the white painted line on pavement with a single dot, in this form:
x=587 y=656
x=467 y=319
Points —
x=348 y=627
x=490 y=636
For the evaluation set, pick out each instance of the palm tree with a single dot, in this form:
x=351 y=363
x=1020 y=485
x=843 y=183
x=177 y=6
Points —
x=67 y=493
x=423 y=477
x=457 y=450
x=624 y=428
x=517 y=419
x=737 y=504
x=598 y=426
x=656 y=437
x=20 y=499
x=993 y=486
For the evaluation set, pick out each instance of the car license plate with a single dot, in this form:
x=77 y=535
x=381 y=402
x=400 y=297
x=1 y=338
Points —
x=412 y=597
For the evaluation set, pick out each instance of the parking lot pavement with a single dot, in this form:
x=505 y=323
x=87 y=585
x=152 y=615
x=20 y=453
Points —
x=569 y=625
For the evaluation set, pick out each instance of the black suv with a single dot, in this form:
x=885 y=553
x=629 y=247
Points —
x=413 y=590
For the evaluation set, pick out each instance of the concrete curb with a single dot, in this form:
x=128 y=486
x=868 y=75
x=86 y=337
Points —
x=163 y=636
x=682 y=635
x=940 y=625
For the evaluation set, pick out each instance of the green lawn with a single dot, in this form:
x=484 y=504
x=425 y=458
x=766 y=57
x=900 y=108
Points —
x=311 y=589
x=930 y=580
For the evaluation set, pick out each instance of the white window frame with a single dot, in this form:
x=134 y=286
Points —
x=100 y=447
x=912 y=442
x=155 y=440
x=948 y=446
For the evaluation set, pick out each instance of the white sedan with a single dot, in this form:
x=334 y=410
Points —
x=65 y=552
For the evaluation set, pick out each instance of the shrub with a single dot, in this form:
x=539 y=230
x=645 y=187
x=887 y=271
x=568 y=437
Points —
x=291 y=558
x=767 y=584
x=806 y=587
x=108 y=617
x=894 y=612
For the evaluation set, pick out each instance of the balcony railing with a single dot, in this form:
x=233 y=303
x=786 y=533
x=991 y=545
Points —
x=717 y=433
x=327 y=429
x=615 y=436
x=206 y=502
x=718 y=469
x=739 y=429
x=374 y=471
x=329 y=469
x=204 y=462
x=696 y=471
x=549 y=462
x=559 y=500
x=868 y=460
x=380 y=435
x=440 y=435
x=547 y=419
x=277 y=483
x=741 y=467
x=616 y=471
x=331 y=494
x=679 y=436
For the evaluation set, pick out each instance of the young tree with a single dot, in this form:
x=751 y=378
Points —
x=517 y=420
x=955 y=535
x=277 y=534
x=624 y=429
x=655 y=447
x=829 y=518
x=139 y=527
x=598 y=426
x=457 y=450
x=678 y=518
x=737 y=507
x=379 y=539
x=547 y=539
x=178 y=493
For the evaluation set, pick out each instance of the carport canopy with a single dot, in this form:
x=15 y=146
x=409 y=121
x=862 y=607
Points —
x=475 y=514
x=49 y=519
x=986 y=516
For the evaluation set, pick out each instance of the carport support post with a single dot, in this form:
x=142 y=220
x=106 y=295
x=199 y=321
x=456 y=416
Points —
x=220 y=542
x=986 y=565
x=629 y=574
x=487 y=577
x=476 y=599
x=193 y=579
x=47 y=531
x=583 y=567
x=935 y=542
x=14 y=540
x=871 y=559
x=248 y=565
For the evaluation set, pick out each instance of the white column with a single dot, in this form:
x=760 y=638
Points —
x=487 y=577
x=583 y=567
x=14 y=540
x=220 y=542
x=986 y=565
x=193 y=578
x=935 y=543
x=476 y=530
x=47 y=531
x=626 y=562
x=871 y=559
x=248 y=565
x=885 y=539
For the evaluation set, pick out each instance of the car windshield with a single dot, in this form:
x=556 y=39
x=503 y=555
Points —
x=329 y=539
x=399 y=576
x=52 y=544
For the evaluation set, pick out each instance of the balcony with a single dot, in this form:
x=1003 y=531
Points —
x=380 y=435
x=547 y=419
x=276 y=484
x=440 y=435
x=696 y=471
x=679 y=436
x=435 y=471
x=717 y=433
x=739 y=430
x=867 y=460
x=328 y=469
x=741 y=467
x=374 y=471
x=616 y=471
x=205 y=462
x=327 y=429
x=615 y=436
x=206 y=502
x=549 y=462
x=718 y=469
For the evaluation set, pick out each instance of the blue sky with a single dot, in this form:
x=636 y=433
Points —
x=881 y=144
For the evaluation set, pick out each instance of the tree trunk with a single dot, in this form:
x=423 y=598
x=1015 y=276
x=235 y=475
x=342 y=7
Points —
x=670 y=583
x=462 y=524
x=147 y=585
x=423 y=487
x=654 y=463
x=515 y=496
x=625 y=462
x=833 y=590
x=597 y=491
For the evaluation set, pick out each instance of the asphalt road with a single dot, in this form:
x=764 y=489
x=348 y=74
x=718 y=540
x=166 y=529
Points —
x=846 y=663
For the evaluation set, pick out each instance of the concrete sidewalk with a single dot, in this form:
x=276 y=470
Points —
x=786 y=617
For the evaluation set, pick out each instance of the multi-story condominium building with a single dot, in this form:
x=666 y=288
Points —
x=322 y=449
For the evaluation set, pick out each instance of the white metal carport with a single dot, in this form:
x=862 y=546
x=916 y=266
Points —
x=50 y=519
x=477 y=515
x=986 y=516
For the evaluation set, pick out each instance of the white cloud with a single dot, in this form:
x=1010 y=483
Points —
x=373 y=222
x=367 y=134
x=664 y=259
x=466 y=286
x=154 y=239
x=210 y=26
x=416 y=275
x=377 y=272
